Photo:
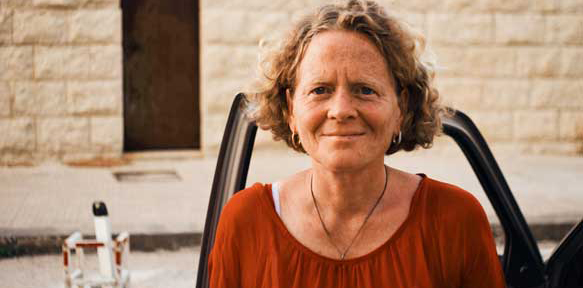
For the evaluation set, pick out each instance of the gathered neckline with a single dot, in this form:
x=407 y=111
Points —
x=279 y=223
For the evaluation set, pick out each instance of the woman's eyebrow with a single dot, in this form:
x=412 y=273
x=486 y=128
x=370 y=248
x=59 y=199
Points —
x=316 y=80
x=319 y=82
x=367 y=81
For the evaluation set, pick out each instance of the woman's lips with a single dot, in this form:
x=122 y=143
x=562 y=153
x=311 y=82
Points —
x=343 y=133
x=343 y=136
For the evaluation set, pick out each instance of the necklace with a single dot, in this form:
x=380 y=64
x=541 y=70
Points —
x=343 y=254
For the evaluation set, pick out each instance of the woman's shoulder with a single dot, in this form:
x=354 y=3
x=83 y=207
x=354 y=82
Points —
x=451 y=201
x=450 y=210
x=458 y=224
x=244 y=206
x=237 y=228
x=246 y=200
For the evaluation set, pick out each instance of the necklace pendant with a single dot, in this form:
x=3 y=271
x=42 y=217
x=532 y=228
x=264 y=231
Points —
x=343 y=255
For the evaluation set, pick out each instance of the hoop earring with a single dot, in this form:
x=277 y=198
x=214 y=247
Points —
x=397 y=140
x=293 y=140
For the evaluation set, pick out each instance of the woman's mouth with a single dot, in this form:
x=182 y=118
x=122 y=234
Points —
x=343 y=136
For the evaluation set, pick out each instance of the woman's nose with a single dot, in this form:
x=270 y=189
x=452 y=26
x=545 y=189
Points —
x=342 y=106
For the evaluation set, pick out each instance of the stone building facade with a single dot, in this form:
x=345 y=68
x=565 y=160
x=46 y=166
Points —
x=515 y=66
x=60 y=80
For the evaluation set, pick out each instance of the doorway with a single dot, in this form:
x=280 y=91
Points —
x=161 y=75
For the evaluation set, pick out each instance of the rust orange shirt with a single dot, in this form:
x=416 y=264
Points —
x=445 y=241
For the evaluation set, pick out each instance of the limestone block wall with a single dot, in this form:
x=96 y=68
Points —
x=515 y=66
x=60 y=80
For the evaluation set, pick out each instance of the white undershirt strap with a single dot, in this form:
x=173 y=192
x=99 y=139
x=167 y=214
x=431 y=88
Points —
x=275 y=194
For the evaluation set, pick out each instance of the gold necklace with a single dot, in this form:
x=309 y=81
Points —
x=343 y=254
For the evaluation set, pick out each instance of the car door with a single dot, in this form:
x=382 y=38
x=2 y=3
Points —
x=521 y=261
x=565 y=266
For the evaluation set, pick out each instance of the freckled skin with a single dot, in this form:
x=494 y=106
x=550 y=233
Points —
x=344 y=108
x=344 y=105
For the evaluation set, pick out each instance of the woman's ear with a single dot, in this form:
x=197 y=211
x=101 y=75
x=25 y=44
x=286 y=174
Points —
x=290 y=110
x=403 y=106
x=400 y=119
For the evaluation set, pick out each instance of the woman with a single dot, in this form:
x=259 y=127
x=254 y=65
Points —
x=348 y=86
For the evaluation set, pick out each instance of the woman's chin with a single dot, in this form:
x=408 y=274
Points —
x=343 y=161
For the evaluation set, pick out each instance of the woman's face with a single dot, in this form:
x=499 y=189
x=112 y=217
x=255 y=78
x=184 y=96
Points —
x=344 y=106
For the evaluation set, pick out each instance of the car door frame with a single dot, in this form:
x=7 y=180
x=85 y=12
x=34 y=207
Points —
x=521 y=261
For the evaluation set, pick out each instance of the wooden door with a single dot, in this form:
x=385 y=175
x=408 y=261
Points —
x=161 y=74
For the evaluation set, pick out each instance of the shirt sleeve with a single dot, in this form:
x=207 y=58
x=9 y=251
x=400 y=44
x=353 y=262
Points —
x=224 y=263
x=481 y=266
x=223 y=269
x=229 y=266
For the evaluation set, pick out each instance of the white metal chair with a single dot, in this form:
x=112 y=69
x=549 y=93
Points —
x=117 y=276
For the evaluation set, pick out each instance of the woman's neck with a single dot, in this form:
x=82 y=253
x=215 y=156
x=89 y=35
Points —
x=348 y=193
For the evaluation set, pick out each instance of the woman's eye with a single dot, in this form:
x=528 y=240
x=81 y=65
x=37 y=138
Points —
x=366 y=91
x=319 y=90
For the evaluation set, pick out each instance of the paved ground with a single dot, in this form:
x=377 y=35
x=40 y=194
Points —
x=170 y=197
x=175 y=269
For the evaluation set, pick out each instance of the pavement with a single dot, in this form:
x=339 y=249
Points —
x=176 y=269
x=162 y=201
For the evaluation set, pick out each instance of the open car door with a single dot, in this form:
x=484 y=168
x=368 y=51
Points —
x=565 y=266
x=521 y=261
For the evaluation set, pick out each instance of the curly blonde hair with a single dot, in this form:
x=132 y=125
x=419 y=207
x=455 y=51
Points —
x=399 y=45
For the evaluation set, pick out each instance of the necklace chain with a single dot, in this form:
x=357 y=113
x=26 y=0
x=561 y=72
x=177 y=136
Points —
x=343 y=254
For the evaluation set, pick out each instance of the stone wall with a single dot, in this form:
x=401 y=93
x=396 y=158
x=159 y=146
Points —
x=60 y=80
x=515 y=66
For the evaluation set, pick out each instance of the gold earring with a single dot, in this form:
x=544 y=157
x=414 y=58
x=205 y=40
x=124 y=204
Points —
x=293 y=140
x=397 y=140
